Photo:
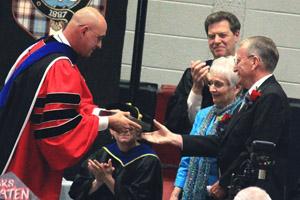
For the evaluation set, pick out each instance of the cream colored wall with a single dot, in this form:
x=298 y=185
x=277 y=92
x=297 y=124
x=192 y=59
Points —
x=175 y=35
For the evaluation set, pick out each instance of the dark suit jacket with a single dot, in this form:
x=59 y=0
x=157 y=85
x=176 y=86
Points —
x=266 y=119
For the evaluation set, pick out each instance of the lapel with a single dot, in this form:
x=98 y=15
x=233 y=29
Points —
x=237 y=116
x=234 y=120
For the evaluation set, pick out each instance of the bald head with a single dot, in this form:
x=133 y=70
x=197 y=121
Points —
x=252 y=193
x=87 y=16
x=86 y=30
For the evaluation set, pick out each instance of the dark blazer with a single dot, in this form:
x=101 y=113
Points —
x=266 y=119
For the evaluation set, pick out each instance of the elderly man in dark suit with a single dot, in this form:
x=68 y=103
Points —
x=263 y=116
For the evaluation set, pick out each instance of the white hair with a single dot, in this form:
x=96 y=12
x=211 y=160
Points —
x=252 y=193
x=224 y=66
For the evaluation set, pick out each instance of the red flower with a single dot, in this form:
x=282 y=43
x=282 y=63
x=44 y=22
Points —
x=226 y=117
x=254 y=95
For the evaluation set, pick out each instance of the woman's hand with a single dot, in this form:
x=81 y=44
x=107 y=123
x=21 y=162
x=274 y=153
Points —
x=216 y=191
x=175 y=193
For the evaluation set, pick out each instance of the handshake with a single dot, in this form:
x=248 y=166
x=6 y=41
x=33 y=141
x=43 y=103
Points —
x=135 y=115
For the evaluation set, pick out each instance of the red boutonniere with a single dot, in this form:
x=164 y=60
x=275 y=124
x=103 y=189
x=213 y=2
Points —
x=225 y=118
x=250 y=99
x=254 y=95
x=223 y=121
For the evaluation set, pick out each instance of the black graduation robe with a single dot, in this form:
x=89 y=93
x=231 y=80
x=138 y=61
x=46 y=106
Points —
x=137 y=175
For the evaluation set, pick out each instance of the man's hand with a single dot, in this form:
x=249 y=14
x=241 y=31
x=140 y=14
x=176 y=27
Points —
x=121 y=123
x=162 y=136
x=216 y=191
x=199 y=72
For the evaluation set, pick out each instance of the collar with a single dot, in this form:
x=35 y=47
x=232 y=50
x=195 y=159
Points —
x=61 y=38
x=259 y=82
x=47 y=49
x=125 y=158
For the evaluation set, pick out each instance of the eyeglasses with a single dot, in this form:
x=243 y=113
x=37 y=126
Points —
x=238 y=60
x=216 y=84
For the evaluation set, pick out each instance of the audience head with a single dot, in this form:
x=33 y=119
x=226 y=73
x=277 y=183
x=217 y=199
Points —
x=223 y=81
x=129 y=139
x=252 y=193
x=223 y=32
x=86 y=30
x=256 y=57
x=126 y=140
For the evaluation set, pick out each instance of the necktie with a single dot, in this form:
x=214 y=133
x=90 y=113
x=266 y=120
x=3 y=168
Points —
x=245 y=99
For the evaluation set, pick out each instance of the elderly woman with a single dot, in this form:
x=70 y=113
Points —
x=196 y=173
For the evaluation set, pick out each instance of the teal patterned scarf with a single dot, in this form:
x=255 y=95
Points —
x=199 y=167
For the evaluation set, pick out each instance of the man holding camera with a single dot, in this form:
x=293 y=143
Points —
x=48 y=118
x=263 y=116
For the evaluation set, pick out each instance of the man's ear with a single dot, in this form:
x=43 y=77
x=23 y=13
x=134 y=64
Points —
x=237 y=36
x=256 y=62
x=83 y=30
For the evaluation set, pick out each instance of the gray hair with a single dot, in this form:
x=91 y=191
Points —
x=252 y=193
x=224 y=66
x=264 y=48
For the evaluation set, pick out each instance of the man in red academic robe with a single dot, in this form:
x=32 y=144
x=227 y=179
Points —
x=48 y=118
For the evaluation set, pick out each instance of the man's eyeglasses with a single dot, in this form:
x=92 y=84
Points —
x=238 y=60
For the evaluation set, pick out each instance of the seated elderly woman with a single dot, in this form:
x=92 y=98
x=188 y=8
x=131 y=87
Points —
x=125 y=169
x=196 y=173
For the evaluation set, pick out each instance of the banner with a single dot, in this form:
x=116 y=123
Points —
x=43 y=17
x=12 y=188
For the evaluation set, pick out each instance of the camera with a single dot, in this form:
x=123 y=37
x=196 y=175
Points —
x=262 y=157
x=255 y=168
